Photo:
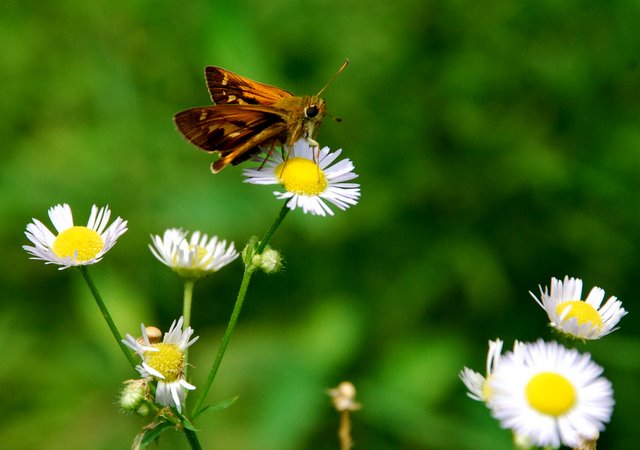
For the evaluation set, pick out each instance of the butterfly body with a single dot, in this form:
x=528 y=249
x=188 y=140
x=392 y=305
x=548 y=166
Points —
x=247 y=115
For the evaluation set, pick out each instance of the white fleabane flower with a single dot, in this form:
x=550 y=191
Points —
x=164 y=362
x=310 y=178
x=74 y=245
x=550 y=395
x=193 y=257
x=583 y=319
x=475 y=382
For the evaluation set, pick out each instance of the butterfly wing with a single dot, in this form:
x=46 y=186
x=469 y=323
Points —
x=234 y=131
x=228 y=88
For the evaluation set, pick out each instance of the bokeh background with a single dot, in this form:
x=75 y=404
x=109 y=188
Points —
x=497 y=143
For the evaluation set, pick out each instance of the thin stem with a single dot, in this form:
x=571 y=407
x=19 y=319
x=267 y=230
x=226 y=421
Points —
x=186 y=314
x=237 y=308
x=267 y=237
x=186 y=302
x=193 y=439
x=107 y=316
x=344 y=432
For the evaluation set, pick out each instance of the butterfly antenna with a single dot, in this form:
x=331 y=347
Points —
x=344 y=65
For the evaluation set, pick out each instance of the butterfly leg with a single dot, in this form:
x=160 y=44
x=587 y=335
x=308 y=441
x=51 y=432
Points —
x=313 y=143
x=315 y=148
x=266 y=158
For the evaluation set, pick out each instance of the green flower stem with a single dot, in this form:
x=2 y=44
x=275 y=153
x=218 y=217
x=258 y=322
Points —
x=186 y=302
x=193 y=439
x=242 y=293
x=107 y=316
x=267 y=237
x=186 y=314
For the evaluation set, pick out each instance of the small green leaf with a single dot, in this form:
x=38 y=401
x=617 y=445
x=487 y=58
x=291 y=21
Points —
x=186 y=423
x=149 y=435
x=216 y=407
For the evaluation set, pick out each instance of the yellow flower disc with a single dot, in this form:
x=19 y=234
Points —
x=550 y=393
x=584 y=312
x=198 y=261
x=87 y=242
x=302 y=176
x=169 y=361
x=486 y=389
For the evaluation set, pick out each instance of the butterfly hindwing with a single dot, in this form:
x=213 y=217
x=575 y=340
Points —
x=234 y=131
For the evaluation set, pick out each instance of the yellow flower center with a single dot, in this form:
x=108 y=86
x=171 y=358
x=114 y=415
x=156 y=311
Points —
x=301 y=176
x=85 y=241
x=199 y=260
x=486 y=389
x=582 y=311
x=550 y=393
x=169 y=361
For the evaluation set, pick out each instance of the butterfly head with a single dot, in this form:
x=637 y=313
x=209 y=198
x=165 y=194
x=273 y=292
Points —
x=315 y=109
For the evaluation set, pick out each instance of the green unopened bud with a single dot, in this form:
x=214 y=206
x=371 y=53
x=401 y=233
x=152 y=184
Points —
x=271 y=261
x=143 y=410
x=133 y=394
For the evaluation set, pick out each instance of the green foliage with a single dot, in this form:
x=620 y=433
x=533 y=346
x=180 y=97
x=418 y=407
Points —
x=497 y=145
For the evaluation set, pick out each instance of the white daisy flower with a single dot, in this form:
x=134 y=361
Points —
x=583 y=319
x=164 y=362
x=74 y=245
x=194 y=257
x=550 y=395
x=308 y=177
x=475 y=382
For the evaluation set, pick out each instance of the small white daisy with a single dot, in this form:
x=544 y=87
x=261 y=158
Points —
x=195 y=257
x=583 y=319
x=550 y=395
x=164 y=362
x=74 y=245
x=308 y=177
x=475 y=382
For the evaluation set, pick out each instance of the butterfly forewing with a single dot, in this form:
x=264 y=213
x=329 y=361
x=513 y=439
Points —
x=229 y=88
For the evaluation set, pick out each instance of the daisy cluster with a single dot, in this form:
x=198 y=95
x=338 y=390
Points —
x=549 y=395
x=192 y=256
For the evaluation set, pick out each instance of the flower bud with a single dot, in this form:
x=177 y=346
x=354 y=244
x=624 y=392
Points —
x=133 y=394
x=343 y=397
x=271 y=261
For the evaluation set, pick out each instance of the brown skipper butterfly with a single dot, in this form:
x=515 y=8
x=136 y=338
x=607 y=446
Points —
x=247 y=115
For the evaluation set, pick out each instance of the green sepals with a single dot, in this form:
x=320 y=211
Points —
x=269 y=260
x=250 y=255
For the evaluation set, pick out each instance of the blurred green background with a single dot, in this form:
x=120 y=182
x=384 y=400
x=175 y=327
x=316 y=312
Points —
x=497 y=143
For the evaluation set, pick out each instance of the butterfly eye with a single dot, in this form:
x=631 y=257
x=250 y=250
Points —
x=311 y=111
